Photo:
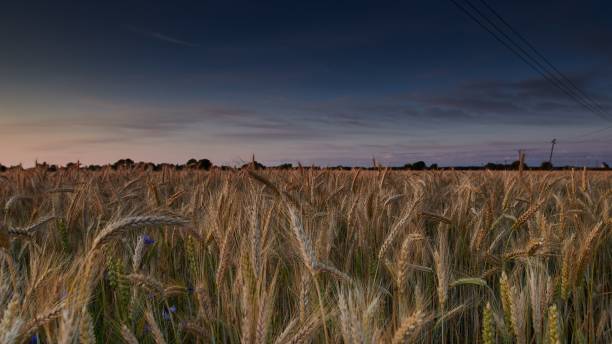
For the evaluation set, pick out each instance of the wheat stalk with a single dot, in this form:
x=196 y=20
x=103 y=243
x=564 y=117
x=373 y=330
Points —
x=128 y=336
x=409 y=327
x=553 y=325
x=154 y=328
x=488 y=329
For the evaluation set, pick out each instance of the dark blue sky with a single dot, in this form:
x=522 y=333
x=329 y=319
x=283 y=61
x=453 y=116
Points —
x=316 y=82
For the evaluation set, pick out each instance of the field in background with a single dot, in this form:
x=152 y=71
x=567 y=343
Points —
x=305 y=256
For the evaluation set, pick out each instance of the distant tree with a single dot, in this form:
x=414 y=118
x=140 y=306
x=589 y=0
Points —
x=71 y=165
x=546 y=165
x=2 y=168
x=52 y=168
x=605 y=165
x=419 y=165
x=433 y=166
x=204 y=164
x=407 y=167
x=123 y=163
x=94 y=167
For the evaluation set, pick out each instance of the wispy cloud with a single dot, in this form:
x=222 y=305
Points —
x=162 y=37
x=529 y=101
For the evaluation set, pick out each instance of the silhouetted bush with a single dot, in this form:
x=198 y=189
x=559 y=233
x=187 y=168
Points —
x=123 y=163
x=546 y=165
x=204 y=164
x=2 y=168
x=419 y=165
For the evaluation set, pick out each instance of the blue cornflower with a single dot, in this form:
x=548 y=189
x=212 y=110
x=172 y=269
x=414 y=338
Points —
x=148 y=240
x=34 y=339
x=165 y=315
x=166 y=312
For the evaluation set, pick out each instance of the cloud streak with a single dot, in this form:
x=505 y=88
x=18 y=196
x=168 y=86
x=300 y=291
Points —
x=162 y=37
x=528 y=101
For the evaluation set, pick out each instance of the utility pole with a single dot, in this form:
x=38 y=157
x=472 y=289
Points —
x=554 y=141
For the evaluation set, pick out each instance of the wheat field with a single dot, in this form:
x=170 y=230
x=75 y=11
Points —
x=305 y=256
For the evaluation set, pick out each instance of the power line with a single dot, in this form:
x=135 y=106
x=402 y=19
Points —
x=592 y=132
x=527 y=58
x=562 y=76
x=542 y=66
x=567 y=80
x=551 y=77
x=521 y=53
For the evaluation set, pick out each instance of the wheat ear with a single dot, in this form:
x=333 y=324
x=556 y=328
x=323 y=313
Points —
x=117 y=228
x=409 y=327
